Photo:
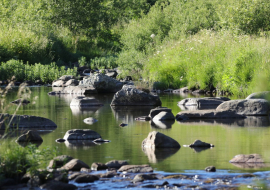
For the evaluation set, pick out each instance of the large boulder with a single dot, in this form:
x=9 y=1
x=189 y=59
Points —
x=81 y=134
x=247 y=158
x=102 y=83
x=159 y=140
x=250 y=107
x=82 y=101
x=74 y=165
x=131 y=96
x=25 y=122
x=259 y=95
x=29 y=136
x=201 y=103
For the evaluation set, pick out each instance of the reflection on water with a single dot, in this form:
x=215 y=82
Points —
x=158 y=155
x=76 y=110
x=162 y=124
x=16 y=133
x=199 y=107
x=80 y=144
x=200 y=149
x=249 y=121
x=250 y=165
x=127 y=114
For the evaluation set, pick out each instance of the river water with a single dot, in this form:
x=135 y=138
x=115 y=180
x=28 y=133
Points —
x=229 y=137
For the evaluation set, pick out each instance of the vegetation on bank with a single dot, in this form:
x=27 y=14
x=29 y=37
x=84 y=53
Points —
x=203 y=44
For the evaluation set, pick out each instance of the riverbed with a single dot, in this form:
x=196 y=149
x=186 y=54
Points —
x=229 y=137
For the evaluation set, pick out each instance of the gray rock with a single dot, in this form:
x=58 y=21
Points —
x=131 y=96
x=26 y=122
x=163 y=116
x=52 y=185
x=198 y=143
x=250 y=107
x=142 y=177
x=260 y=95
x=79 y=90
x=90 y=120
x=247 y=158
x=81 y=134
x=98 y=166
x=66 y=77
x=59 y=161
x=72 y=82
x=85 y=178
x=29 y=136
x=116 y=163
x=136 y=169
x=159 y=140
x=157 y=110
x=102 y=83
x=74 y=165
x=82 y=101
x=109 y=174
x=58 y=83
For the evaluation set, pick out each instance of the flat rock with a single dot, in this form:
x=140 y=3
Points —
x=136 y=169
x=157 y=110
x=116 y=163
x=74 y=165
x=26 y=122
x=81 y=134
x=131 y=96
x=29 y=136
x=142 y=177
x=85 y=178
x=247 y=158
x=82 y=101
x=79 y=90
x=249 y=107
x=159 y=140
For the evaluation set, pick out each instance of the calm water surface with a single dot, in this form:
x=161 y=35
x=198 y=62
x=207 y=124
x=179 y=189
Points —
x=229 y=137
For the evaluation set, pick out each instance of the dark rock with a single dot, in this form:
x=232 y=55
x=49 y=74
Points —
x=247 y=158
x=246 y=176
x=59 y=161
x=116 y=163
x=86 y=170
x=75 y=165
x=82 y=101
x=7 y=182
x=98 y=166
x=142 y=177
x=109 y=174
x=81 y=134
x=198 y=143
x=123 y=125
x=130 y=96
x=53 y=185
x=21 y=101
x=210 y=169
x=143 y=118
x=136 y=169
x=29 y=136
x=182 y=90
x=60 y=140
x=85 y=178
x=159 y=140
x=156 y=111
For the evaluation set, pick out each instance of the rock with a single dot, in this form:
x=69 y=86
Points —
x=130 y=96
x=79 y=90
x=182 y=90
x=210 y=169
x=102 y=83
x=259 y=95
x=60 y=140
x=52 y=185
x=198 y=143
x=82 y=101
x=75 y=165
x=66 y=77
x=123 y=125
x=136 y=169
x=85 y=178
x=98 y=166
x=59 y=161
x=26 y=122
x=116 y=163
x=163 y=116
x=81 y=134
x=159 y=140
x=109 y=174
x=90 y=120
x=74 y=175
x=157 y=110
x=250 y=107
x=247 y=158
x=21 y=100
x=142 y=177
x=164 y=124
x=201 y=103
x=207 y=114
x=29 y=136
x=72 y=82
x=58 y=83
x=100 y=140
x=85 y=170
x=198 y=92
x=143 y=118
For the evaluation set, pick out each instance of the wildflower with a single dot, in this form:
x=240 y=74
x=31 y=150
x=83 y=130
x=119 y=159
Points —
x=152 y=36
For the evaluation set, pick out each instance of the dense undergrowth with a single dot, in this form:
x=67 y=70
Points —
x=204 y=44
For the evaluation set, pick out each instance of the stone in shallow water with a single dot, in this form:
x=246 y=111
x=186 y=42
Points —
x=82 y=101
x=81 y=134
x=159 y=140
x=210 y=169
x=247 y=158
x=199 y=143
x=136 y=168
x=116 y=163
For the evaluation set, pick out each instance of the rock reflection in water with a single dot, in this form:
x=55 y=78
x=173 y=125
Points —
x=127 y=114
x=80 y=144
x=200 y=149
x=157 y=155
x=24 y=144
x=162 y=124
x=16 y=133
x=249 y=121
x=199 y=107
x=76 y=110
x=250 y=165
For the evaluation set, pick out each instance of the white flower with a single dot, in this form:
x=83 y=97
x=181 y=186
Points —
x=152 y=36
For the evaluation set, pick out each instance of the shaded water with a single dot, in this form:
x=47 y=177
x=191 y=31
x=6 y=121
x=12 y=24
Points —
x=229 y=137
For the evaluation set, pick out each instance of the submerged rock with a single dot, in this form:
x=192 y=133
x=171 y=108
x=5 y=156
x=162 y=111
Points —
x=142 y=177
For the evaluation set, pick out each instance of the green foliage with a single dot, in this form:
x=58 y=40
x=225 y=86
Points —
x=16 y=161
x=45 y=73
